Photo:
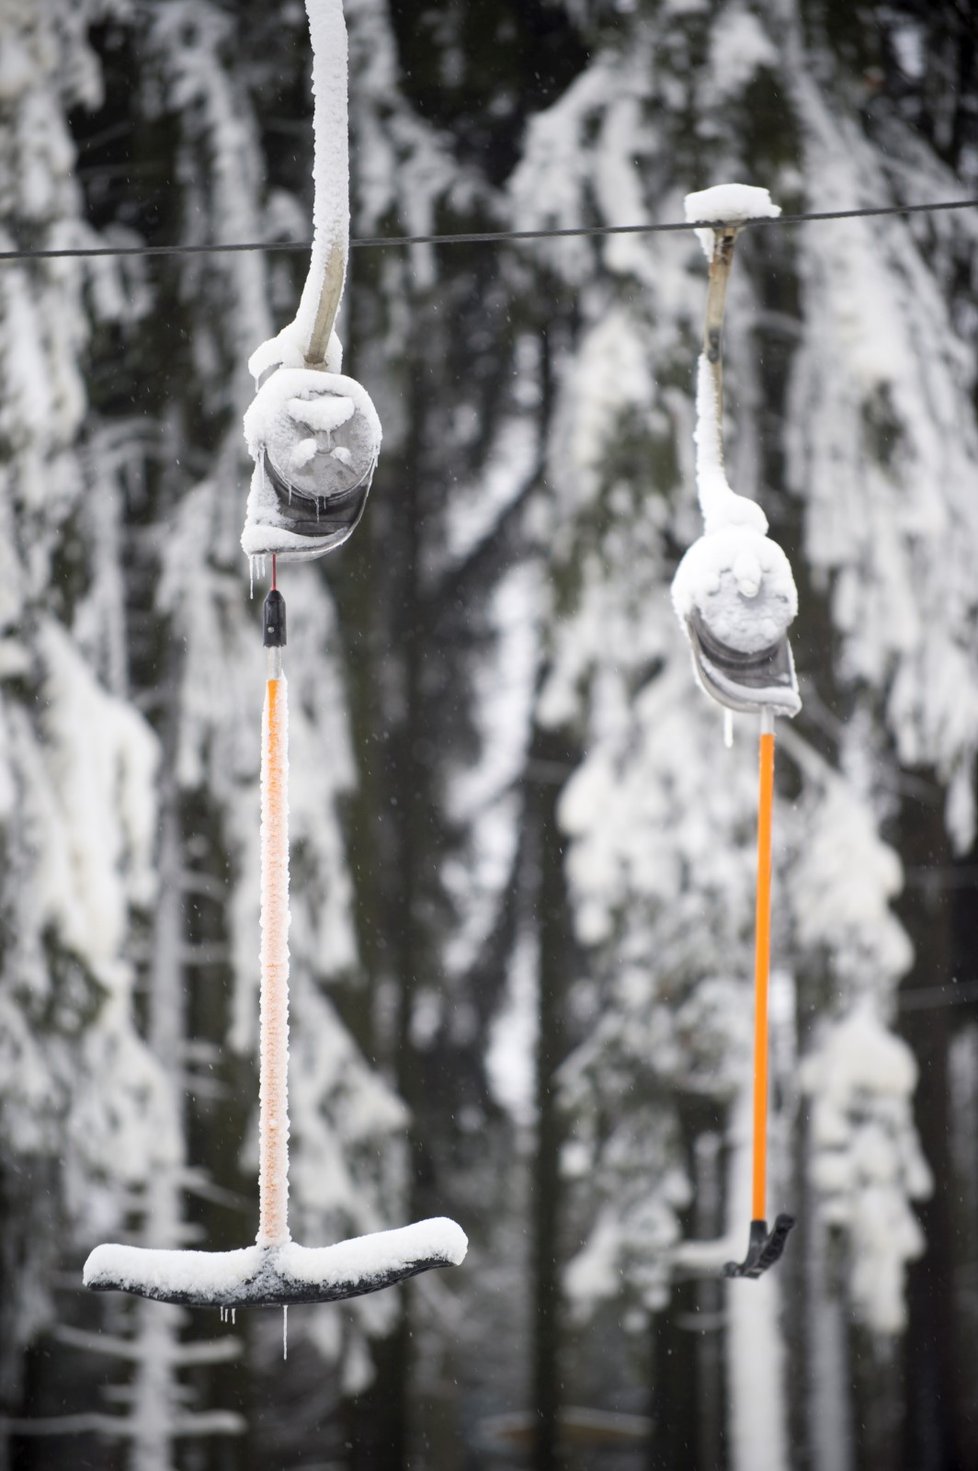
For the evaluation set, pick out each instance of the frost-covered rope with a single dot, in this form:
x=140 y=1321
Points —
x=331 y=175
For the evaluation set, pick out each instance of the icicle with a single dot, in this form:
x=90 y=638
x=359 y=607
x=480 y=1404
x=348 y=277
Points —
x=728 y=729
x=285 y=1331
x=257 y=563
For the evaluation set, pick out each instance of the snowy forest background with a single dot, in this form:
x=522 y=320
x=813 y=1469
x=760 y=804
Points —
x=523 y=863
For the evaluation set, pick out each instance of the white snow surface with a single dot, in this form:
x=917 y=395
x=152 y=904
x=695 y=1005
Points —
x=287 y=350
x=322 y=433
x=739 y=48
x=721 y=506
x=881 y=445
x=331 y=159
x=730 y=203
x=735 y=575
x=322 y=413
x=845 y=878
x=294 y=401
x=230 y=1276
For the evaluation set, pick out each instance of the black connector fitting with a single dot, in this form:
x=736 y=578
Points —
x=764 y=1248
x=273 y=620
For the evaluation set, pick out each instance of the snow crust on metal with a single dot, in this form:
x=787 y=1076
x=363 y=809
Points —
x=263 y=1276
x=731 y=203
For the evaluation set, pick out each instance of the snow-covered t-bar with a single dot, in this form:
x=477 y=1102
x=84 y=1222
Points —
x=276 y=1276
x=314 y=436
x=276 y=1271
x=331 y=164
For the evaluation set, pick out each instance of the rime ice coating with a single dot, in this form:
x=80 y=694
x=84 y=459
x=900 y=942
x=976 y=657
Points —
x=331 y=156
x=321 y=430
x=257 y=1276
x=276 y=1270
x=720 y=505
x=273 y=1108
x=734 y=574
x=331 y=196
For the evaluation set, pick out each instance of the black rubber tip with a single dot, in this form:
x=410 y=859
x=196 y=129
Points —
x=273 y=620
x=764 y=1248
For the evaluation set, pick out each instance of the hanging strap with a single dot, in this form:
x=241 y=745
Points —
x=331 y=173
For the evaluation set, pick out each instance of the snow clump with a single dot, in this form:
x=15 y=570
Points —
x=738 y=579
x=728 y=204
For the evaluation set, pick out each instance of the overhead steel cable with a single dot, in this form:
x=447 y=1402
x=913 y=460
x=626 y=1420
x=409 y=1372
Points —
x=486 y=237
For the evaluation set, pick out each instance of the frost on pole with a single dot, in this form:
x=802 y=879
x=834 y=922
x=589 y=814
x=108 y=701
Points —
x=733 y=591
x=313 y=434
x=273 y=1095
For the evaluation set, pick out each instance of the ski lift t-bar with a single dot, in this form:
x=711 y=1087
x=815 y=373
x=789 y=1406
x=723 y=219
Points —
x=314 y=436
x=735 y=597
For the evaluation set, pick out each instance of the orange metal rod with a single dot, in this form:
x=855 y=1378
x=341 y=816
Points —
x=762 y=967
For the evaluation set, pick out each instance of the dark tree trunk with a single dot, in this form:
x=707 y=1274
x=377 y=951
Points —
x=932 y=1437
x=549 y=757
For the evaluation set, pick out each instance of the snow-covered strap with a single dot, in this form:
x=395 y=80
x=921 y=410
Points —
x=331 y=176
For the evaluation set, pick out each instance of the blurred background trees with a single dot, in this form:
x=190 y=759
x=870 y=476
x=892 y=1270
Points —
x=522 y=857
